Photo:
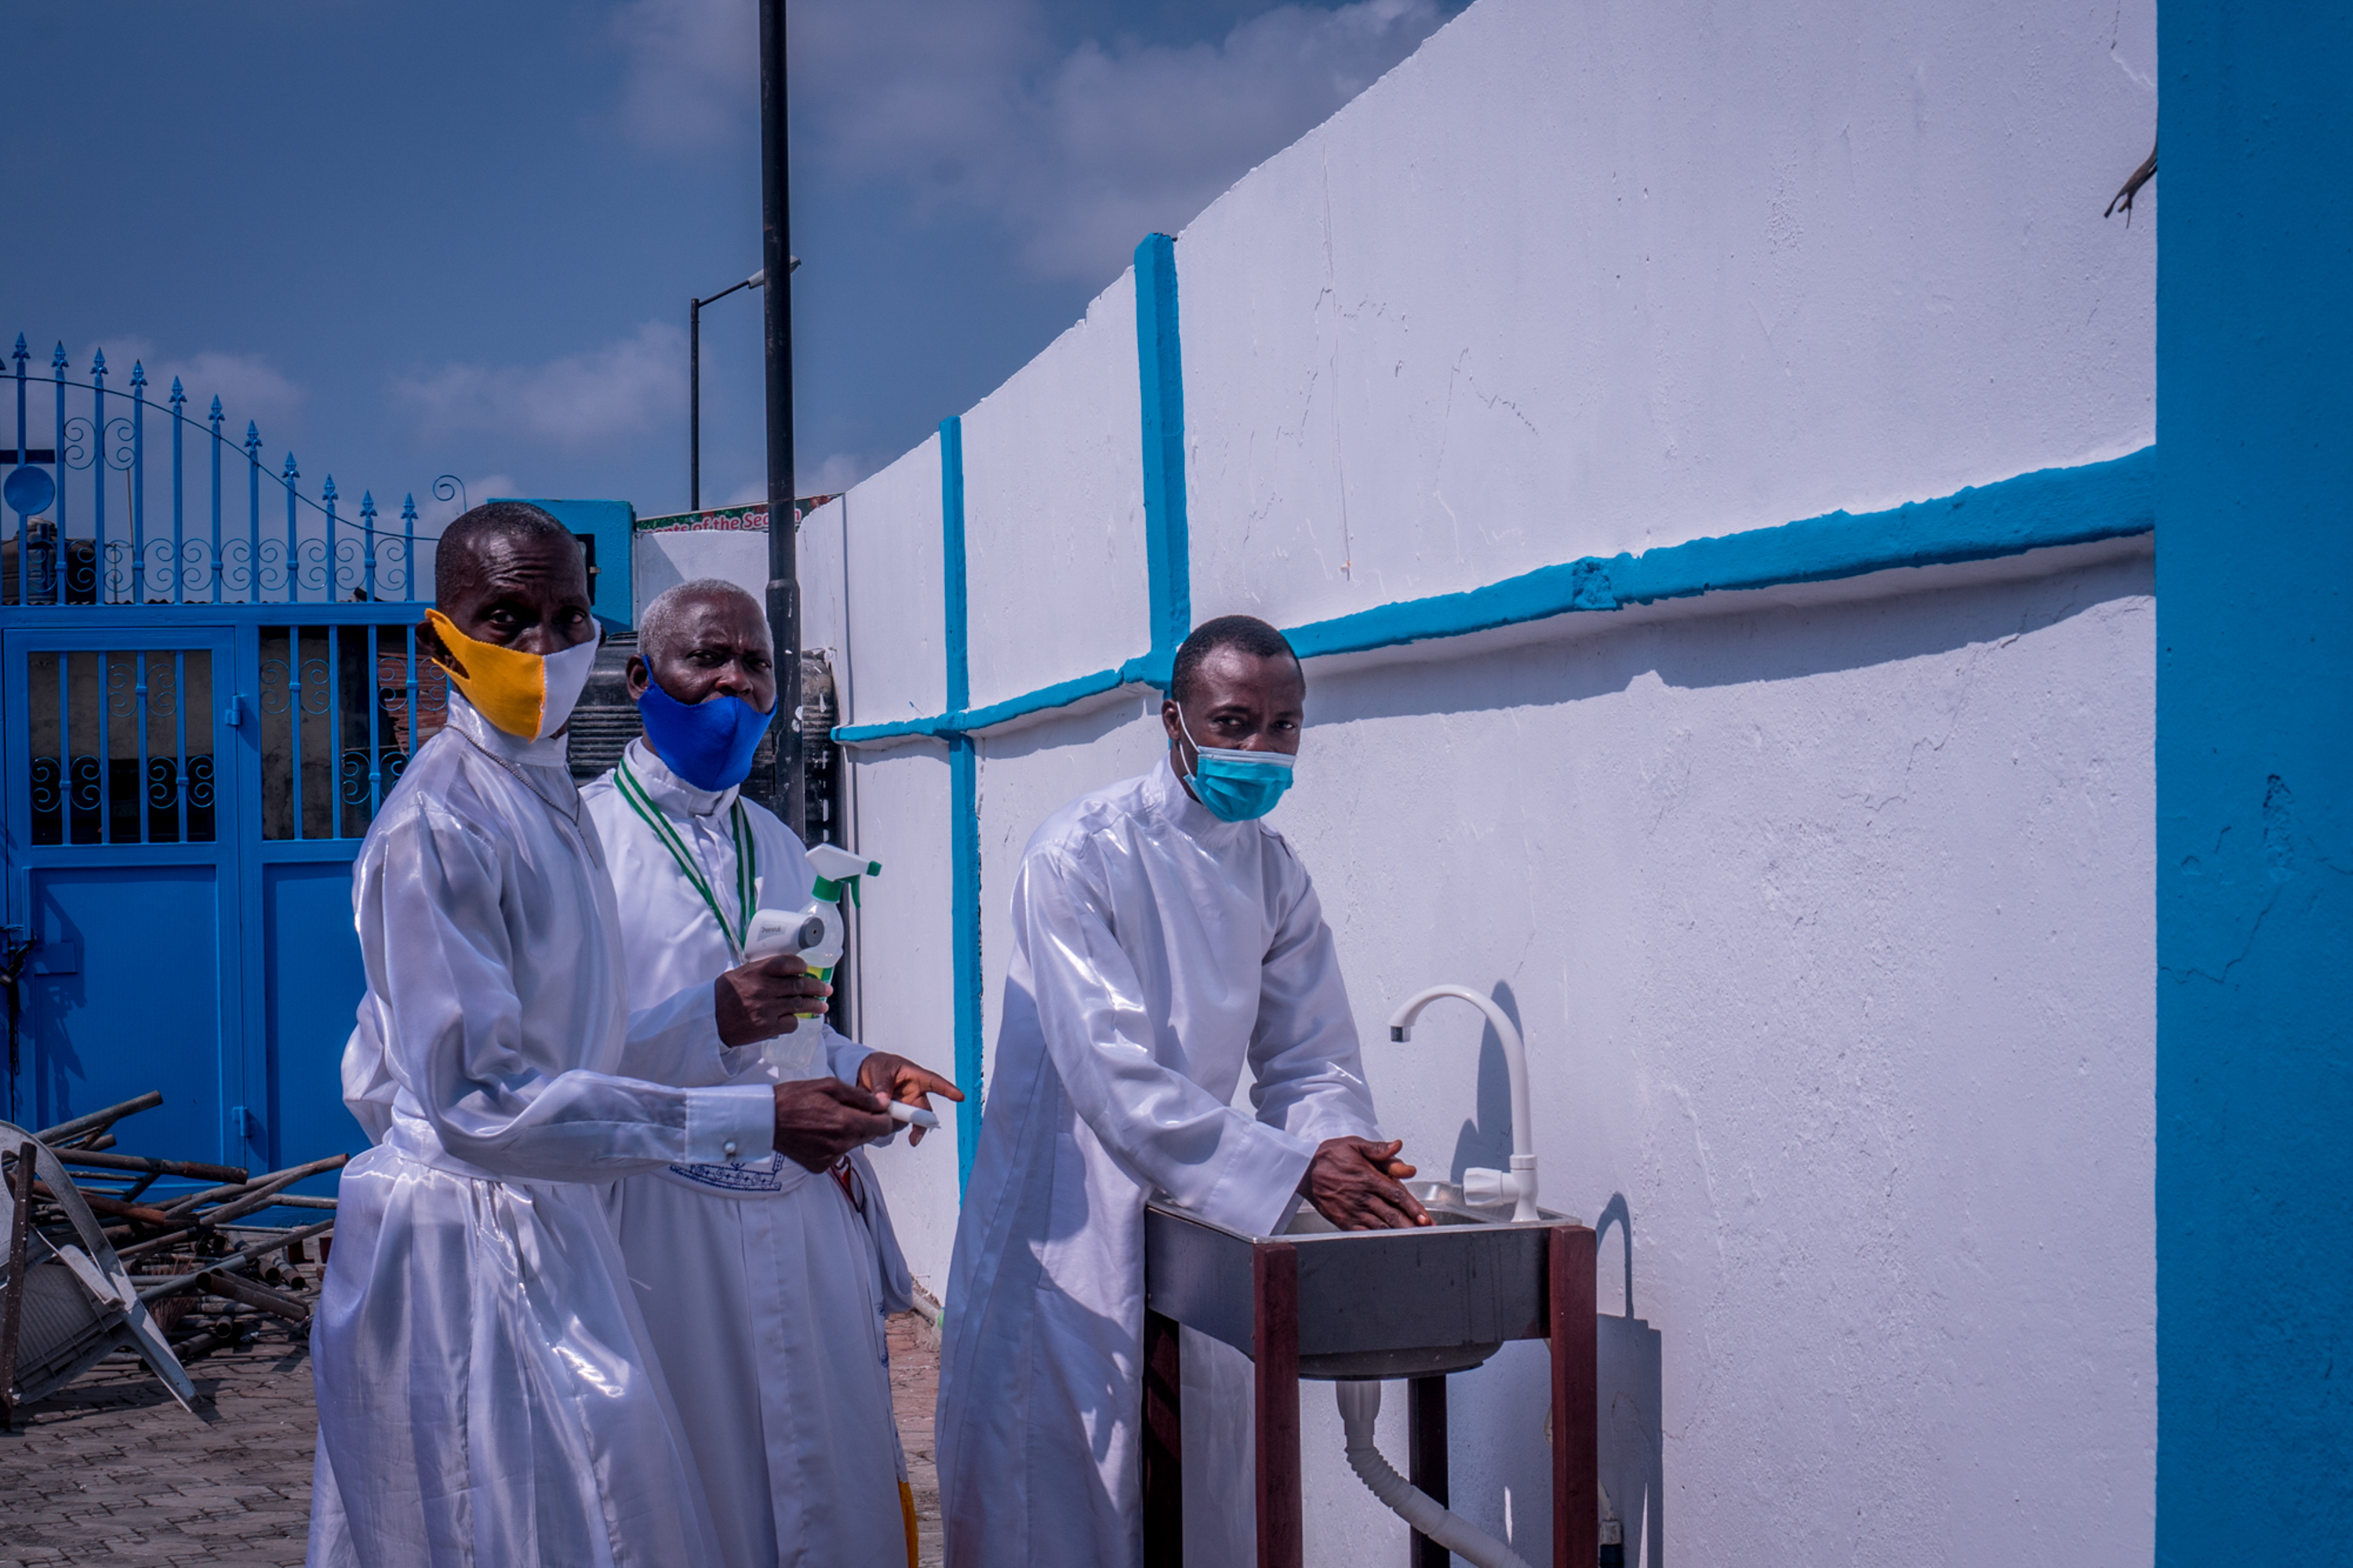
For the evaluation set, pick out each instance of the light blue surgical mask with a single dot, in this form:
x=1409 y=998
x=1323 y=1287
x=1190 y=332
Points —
x=1237 y=786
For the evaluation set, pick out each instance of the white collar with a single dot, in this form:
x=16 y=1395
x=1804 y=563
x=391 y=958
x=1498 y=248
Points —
x=1166 y=791
x=467 y=720
x=671 y=792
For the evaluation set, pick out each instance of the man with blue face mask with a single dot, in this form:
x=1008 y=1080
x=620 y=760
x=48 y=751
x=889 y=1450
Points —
x=1163 y=939
x=764 y=1281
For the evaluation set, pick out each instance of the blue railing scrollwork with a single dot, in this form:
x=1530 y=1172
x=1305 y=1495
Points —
x=75 y=527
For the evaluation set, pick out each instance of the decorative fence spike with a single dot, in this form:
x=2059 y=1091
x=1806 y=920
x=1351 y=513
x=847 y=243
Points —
x=60 y=559
x=367 y=521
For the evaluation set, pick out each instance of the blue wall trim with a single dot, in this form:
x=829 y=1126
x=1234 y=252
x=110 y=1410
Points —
x=964 y=890
x=2031 y=512
x=964 y=807
x=1160 y=375
x=2254 y=788
x=956 y=627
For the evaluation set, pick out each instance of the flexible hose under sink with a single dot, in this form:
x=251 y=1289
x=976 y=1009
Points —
x=1360 y=1409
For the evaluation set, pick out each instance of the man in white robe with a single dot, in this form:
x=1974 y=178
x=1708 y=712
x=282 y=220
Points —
x=486 y=1391
x=760 y=1283
x=1159 y=945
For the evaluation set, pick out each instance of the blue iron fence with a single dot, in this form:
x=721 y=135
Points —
x=70 y=535
x=208 y=684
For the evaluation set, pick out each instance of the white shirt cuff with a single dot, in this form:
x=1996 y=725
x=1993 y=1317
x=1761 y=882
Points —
x=730 y=1125
x=844 y=1056
x=1261 y=1184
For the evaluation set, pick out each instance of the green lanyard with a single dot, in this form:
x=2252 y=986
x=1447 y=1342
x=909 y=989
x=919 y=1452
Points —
x=747 y=857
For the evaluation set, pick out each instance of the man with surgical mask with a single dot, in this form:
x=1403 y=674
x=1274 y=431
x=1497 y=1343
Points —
x=763 y=1282
x=1163 y=937
x=486 y=1391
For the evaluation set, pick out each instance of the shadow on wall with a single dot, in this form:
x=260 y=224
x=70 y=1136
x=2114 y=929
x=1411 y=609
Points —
x=1486 y=1138
x=1629 y=1392
x=1068 y=731
x=1777 y=644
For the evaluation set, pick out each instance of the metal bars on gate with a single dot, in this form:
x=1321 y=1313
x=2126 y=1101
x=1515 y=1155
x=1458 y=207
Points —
x=115 y=759
x=341 y=715
x=46 y=558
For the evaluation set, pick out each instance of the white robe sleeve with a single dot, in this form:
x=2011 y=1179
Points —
x=1306 y=1064
x=675 y=1041
x=843 y=1056
x=441 y=967
x=1165 y=1128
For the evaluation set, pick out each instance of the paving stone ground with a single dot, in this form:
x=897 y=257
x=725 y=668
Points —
x=914 y=1388
x=111 y=1470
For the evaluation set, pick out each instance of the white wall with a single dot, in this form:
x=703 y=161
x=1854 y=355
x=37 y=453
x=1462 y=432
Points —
x=1828 y=912
x=666 y=558
x=1052 y=501
x=1578 y=279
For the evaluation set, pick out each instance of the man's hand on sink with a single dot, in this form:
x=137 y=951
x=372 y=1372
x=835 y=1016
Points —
x=1353 y=1182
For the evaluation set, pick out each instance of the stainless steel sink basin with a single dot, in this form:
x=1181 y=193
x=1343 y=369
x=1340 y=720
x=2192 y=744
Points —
x=1372 y=1304
x=1320 y=1303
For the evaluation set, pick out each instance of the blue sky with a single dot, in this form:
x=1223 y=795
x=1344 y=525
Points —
x=411 y=239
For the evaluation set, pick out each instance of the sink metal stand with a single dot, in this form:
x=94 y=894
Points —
x=1425 y=1465
x=1565 y=1318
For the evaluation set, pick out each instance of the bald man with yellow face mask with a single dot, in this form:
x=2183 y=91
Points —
x=486 y=1391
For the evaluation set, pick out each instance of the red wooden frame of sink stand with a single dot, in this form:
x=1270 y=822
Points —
x=1576 y=1439
x=1569 y=1325
x=1274 y=1335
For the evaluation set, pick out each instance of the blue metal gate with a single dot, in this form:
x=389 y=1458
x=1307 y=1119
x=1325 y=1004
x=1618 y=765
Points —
x=202 y=705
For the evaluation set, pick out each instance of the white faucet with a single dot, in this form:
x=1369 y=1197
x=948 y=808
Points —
x=1480 y=1185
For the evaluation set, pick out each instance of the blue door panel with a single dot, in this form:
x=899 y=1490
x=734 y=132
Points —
x=181 y=795
x=140 y=1008
x=313 y=983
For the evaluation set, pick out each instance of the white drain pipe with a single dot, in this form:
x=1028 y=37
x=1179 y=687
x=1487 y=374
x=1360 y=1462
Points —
x=1360 y=1409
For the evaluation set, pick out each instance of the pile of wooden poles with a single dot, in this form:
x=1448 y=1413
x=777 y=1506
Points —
x=202 y=1273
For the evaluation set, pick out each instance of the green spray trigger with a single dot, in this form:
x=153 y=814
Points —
x=837 y=871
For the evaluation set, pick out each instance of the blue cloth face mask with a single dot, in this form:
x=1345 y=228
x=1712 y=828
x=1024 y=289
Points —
x=1237 y=786
x=709 y=743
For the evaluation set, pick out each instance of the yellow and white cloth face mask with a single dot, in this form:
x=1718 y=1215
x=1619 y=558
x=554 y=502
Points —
x=526 y=695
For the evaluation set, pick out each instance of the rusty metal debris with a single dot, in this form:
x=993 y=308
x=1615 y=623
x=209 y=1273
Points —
x=205 y=1260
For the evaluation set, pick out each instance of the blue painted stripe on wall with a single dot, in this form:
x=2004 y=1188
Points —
x=952 y=562
x=964 y=807
x=2031 y=512
x=1160 y=375
x=1061 y=694
x=964 y=891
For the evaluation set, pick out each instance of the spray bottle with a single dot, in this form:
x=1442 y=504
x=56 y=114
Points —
x=813 y=933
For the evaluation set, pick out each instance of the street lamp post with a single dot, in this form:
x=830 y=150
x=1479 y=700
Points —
x=694 y=384
x=783 y=585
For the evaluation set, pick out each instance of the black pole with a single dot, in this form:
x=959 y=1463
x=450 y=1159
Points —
x=784 y=585
x=694 y=405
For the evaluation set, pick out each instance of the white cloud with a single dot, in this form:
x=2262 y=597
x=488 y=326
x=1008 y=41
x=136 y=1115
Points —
x=971 y=106
x=691 y=64
x=248 y=386
x=838 y=472
x=609 y=394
